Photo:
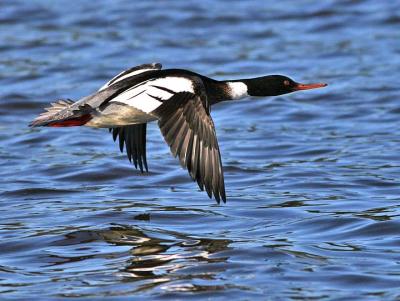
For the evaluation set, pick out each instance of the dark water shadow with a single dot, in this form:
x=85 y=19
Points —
x=150 y=257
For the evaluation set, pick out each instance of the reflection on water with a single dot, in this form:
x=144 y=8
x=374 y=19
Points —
x=312 y=178
x=149 y=257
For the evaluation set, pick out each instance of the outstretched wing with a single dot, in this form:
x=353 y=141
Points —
x=131 y=72
x=188 y=129
x=134 y=138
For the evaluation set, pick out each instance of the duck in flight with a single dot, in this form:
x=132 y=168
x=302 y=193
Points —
x=180 y=100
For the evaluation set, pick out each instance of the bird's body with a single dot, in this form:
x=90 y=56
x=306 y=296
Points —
x=180 y=100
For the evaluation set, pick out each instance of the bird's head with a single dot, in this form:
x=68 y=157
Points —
x=273 y=85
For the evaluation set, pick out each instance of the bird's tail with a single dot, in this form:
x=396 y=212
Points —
x=61 y=114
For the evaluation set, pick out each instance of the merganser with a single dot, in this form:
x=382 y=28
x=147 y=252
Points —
x=180 y=100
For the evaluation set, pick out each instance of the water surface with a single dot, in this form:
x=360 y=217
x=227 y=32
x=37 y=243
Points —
x=312 y=178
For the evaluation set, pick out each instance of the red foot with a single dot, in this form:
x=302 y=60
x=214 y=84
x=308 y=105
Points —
x=71 y=122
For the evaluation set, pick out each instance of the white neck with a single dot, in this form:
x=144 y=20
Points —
x=237 y=90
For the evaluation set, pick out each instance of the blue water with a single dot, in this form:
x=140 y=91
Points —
x=312 y=178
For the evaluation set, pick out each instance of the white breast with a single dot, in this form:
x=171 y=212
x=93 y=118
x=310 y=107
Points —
x=149 y=96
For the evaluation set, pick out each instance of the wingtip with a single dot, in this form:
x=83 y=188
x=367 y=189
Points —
x=218 y=198
x=143 y=170
x=224 y=199
x=223 y=195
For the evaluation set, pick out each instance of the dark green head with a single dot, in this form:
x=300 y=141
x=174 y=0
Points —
x=272 y=85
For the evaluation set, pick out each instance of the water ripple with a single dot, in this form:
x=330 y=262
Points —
x=312 y=178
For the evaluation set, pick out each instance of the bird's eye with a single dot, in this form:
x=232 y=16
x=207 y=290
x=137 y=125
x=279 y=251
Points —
x=286 y=83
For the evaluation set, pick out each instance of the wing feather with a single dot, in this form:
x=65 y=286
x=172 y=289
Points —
x=134 y=139
x=131 y=72
x=188 y=129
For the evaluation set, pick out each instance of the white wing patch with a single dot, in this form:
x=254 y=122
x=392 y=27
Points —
x=176 y=84
x=149 y=96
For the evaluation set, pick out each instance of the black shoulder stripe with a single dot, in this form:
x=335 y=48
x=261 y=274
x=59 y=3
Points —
x=137 y=94
x=153 y=66
x=163 y=88
x=155 y=97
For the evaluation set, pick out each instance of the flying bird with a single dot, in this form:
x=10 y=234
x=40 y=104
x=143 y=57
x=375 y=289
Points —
x=180 y=101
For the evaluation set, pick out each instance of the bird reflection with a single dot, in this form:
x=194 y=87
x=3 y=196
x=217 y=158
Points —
x=155 y=255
